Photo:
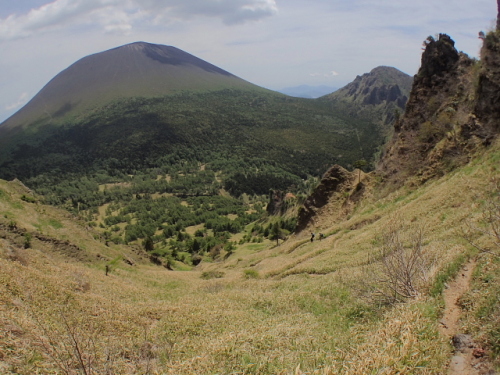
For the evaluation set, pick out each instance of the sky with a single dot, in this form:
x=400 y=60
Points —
x=271 y=43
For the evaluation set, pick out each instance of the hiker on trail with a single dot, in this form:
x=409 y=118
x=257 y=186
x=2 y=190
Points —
x=321 y=236
x=312 y=236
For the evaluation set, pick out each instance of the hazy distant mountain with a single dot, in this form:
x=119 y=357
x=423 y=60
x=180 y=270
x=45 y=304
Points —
x=382 y=84
x=143 y=106
x=376 y=96
x=306 y=91
x=134 y=70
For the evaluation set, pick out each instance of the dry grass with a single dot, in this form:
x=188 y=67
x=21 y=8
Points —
x=302 y=315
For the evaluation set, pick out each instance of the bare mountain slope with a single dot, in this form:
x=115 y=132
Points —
x=134 y=70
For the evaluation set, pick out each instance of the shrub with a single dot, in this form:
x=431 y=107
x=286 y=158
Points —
x=251 y=274
x=28 y=199
x=212 y=275
x=27 y=240
x=196 y=259
x=489 y=224
x=404 y=267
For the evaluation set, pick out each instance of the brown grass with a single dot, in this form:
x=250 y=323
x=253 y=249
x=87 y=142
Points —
x=303 y=315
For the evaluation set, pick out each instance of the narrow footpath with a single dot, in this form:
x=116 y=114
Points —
x=467 y=359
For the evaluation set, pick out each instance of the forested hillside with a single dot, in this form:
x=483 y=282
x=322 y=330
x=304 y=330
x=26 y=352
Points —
x=176 y=154
x=185 y=145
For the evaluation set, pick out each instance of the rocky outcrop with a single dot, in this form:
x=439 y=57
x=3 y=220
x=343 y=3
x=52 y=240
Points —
x=279 y=202
x=439 y=59
x=487 y=107
x=276 y=202
x=335 y=180
x=385 y=93
x=436 y=81
x=453 y=109
x=377 y=95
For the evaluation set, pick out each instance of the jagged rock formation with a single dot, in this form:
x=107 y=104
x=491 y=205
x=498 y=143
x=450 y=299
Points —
x=487 y=107
x=453 y=109
x=335 y=180
x=279 y=202
x=276 y=203
x=379 y=94
x=276 y=199
x=498 y=15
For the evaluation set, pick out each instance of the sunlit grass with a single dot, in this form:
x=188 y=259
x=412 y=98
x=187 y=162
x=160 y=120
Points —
x=265 y=309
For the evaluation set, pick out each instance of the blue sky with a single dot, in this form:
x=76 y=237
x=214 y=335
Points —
x=272 y=43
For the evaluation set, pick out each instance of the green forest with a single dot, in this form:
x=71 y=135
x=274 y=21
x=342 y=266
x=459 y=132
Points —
x=144 y=171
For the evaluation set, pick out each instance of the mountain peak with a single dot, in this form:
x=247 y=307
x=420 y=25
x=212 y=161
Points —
x=170 y=55
x=138 y=69
x=377 y=95
x=382 y=84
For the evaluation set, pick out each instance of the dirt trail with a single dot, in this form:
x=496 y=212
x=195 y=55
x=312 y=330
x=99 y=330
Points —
x=449 y=322
x=461 y=362
x=467 y=359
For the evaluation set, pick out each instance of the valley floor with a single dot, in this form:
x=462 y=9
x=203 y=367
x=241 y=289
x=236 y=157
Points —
x=299 y=307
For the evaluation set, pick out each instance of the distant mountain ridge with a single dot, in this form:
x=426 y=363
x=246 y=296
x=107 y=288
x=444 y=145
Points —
x=383 y=83
x=134 y=70
x=379 y=95
x=143 y=107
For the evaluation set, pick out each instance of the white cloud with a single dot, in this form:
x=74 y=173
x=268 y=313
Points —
x=230 y=11
x=120 y=15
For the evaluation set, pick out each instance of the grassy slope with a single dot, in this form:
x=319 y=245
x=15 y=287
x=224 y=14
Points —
x=301 y=310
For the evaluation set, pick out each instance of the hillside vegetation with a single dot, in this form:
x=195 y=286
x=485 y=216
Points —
x=271 y=309
x=299 y=136
x=187 y=148
x=367 y=293
x=178 y=156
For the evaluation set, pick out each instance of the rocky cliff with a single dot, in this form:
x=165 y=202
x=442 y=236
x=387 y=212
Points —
x=379 y=95
x=452 y=110
x=487 y=108
x=335 y=181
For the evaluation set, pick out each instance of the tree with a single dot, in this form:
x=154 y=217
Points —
x=275 y=233
x=148 y=244
x=361 y=164
x=195 y=247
